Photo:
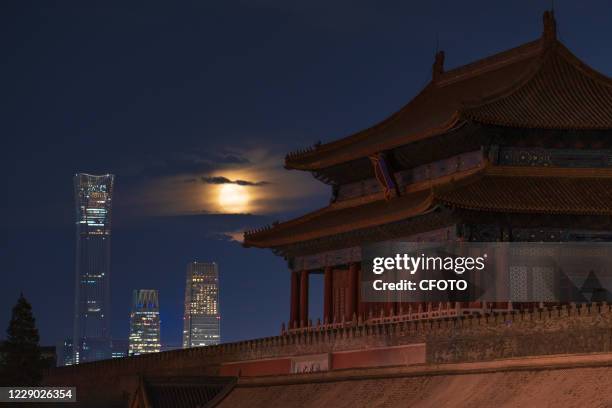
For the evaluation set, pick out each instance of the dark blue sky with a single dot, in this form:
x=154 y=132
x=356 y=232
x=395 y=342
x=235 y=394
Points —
x=164 y=93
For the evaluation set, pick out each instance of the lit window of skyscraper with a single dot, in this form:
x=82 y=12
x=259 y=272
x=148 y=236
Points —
x=144 y=323
x=65 y=353
x=93 y=199
x=202 y=317
x=119 y=348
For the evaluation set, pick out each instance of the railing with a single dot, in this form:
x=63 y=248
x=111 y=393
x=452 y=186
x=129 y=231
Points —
x=440 y=311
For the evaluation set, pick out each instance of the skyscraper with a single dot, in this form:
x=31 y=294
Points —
x=144 y=323
x=93 y=199
x=65 y=353
x=119 y=348
x=201 y=323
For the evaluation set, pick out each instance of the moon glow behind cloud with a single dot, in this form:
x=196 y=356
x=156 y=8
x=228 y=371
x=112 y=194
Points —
x=233 y=198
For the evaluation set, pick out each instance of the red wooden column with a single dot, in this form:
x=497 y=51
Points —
x=304 y=298
x=294 y=313
x=361 y=305
x=328 y=295
x=352 y=295
x=388 y=306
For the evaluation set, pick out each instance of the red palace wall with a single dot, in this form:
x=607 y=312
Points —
x=550 y=330
x=381 y=357
x=375 y=357
x=256 y=368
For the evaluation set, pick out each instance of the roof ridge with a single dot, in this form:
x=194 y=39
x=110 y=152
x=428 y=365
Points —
x=359 y=134
x=412 y=205
x=415 y=188
x=524 y=79
x=491 y=62
x=511 y=88
x=554 y=58
x=549 y=171
x=577 y=63
x=280 y=225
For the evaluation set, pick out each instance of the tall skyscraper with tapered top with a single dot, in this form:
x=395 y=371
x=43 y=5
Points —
x=144 y=323
x=93 y=198
x=202 y=318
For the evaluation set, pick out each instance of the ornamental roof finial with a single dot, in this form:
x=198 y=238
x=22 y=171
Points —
x=438 y=65
x=550 y=26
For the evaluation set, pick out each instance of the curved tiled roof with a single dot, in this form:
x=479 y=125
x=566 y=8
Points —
x=337 y=219
x=536 y=85
x=434 y=110
x=543 y=190
x=577 y=194
x=561 y=94
x=178 y=392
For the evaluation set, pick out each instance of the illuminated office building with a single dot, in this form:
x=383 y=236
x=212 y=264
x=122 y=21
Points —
x=144 y=323
x=65 y=353
x=93 y=199
x=202 y=318
x=119 y=348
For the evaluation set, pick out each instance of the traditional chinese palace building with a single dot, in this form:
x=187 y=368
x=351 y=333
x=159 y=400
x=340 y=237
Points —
x=512 y=147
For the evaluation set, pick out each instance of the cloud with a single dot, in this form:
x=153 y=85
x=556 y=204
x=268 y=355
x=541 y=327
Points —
x=225 y=180
x=230 y=236
x=232 y=159
x=189 y=183
x=191 y=164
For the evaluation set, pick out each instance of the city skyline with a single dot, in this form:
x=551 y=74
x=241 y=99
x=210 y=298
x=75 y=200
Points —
x=93 y=201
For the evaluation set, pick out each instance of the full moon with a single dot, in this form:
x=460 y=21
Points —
x=233 y=198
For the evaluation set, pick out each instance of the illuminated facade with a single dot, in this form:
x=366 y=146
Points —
x=202 y=318
x=119 y=348
x=93 y=199
x=144 y=323
x=65 y=353
x=514 y=147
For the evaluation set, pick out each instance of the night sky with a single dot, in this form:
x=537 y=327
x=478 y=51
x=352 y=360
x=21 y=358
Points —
x=180 y=100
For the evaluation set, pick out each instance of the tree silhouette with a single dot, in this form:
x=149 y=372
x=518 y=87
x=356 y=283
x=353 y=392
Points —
x=22 y=365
